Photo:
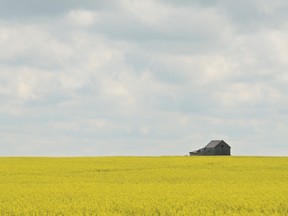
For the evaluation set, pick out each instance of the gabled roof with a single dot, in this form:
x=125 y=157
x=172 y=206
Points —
x=214 y=143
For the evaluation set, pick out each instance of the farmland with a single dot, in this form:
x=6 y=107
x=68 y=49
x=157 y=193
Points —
x=144 y=186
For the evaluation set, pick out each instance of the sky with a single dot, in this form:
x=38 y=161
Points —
x=153 y=77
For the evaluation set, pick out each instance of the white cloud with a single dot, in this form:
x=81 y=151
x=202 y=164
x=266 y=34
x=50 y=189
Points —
x=270 y=7
x=148 y=77
x=149 y=12
x=31 y=42
x=82 y=17
x=26 y=83
x=241 y=94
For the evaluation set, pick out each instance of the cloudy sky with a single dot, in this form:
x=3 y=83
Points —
x=153 y=77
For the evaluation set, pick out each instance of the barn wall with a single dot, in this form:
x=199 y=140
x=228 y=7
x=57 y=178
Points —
x=224 y=151
x=213 y=151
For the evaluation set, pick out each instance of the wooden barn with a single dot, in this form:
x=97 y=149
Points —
x=215 y=147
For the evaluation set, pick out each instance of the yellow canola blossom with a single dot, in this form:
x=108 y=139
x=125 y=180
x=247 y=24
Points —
x=144 y=186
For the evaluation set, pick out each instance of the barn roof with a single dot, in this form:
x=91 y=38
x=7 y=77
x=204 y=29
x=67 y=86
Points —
x=214 y=143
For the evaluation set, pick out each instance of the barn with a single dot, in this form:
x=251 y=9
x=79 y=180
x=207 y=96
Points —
x=215 y=147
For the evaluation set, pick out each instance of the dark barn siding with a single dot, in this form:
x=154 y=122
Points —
x=215 y=147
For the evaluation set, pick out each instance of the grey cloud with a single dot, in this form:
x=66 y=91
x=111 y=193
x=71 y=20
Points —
x=248 y=15
x=195 y=29
x=191 y=2
x=129 y=84
x=17 y=9
x=251 y=16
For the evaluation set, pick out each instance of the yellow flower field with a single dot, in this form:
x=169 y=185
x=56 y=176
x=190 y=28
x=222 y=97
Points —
x=144 y=186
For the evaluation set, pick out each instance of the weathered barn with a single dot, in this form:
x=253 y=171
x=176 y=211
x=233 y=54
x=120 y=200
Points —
x=215 y=147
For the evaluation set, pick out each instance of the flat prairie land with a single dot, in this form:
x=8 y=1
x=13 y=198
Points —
x=144 y=186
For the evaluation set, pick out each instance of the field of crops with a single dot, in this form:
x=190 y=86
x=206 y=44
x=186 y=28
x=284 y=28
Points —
x=144 y=186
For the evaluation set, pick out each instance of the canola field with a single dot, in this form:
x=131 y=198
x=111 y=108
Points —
x=144 y=186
